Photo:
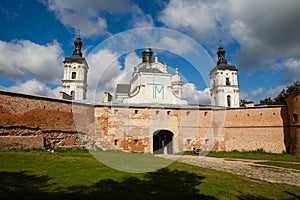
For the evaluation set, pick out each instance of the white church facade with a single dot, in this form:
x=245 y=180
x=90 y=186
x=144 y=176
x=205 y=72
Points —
x=151 y=82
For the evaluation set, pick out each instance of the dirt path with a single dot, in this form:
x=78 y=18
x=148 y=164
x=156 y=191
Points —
x=243 y=167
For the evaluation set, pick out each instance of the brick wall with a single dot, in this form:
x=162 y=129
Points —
x=293 y=102
x=22 y=142
x=257 y=128
x=63 y=124
x=244 y=129
x=31 y=116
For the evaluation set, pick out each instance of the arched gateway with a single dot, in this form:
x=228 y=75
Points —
x=162 y=142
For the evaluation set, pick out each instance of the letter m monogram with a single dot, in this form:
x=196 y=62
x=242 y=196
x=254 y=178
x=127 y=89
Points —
x=158 y=89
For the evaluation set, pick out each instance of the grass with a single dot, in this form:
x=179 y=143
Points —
x=254 y=155
x=131 y=162
x=78 y=175
x=280 y=164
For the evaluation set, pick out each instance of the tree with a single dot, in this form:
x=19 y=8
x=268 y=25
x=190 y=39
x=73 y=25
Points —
x=293 y=88
x=242 y=102
x=267 y=101
x=281 y=98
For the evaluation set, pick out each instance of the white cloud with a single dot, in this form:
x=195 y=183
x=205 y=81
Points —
x=197 y=17
x=79 y=15
x=34 y=87
x=192 y=95
x=244 y=96
x=105 y=72
x=263 y=36
x=257 y=92
x=104 y=68
x=140 y=19
x=276 y=91
x=178 y=45
x=264 y=31
x=292 y=69
x=89 y=15
x=21 y=57
x=131 y=60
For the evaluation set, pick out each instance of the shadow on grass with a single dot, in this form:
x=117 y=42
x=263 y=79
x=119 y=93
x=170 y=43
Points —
x=252 y=197
x=255 y=197
x=162 y=184
x=18 y=185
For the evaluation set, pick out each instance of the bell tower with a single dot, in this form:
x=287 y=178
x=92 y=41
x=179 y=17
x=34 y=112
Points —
x=74 y=83
x=224 y=88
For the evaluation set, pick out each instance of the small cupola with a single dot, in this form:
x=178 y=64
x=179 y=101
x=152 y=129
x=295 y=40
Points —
x=147 y=55
x=77 y=43
x=221 y=55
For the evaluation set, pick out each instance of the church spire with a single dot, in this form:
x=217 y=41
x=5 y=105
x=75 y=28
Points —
x=221 y=54
x=77 y=44
x=147 y=55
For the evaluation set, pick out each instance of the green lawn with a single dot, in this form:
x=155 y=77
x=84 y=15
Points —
x=78 y=175
x=281 y=164
x=255 y=155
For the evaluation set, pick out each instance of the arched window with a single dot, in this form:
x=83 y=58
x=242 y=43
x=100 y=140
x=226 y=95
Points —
x=295 y=117
x=73 y=75
x=227 y=81
x=116 y=142
x=228 y=100
x=73 y=94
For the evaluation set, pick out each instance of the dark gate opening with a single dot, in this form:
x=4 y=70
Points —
x=162 y=142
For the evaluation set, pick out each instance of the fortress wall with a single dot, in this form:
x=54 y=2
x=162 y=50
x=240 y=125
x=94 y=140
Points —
x=243 y=129
x=22 y=142
x=132 y=129
x=270 y=139
x=25 y=117
x=295 y=140
x=256 y=128
x=257 y=116
x=293 y=102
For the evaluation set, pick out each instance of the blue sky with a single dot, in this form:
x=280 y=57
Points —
x=260 y=37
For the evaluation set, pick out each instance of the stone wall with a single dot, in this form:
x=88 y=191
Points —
x=32 y=116
x=62 y=123
x=243 y=129
x=22 y=142
x=293 y=102
x=257 y=128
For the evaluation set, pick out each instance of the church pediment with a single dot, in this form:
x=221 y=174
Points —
x=151 y=83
